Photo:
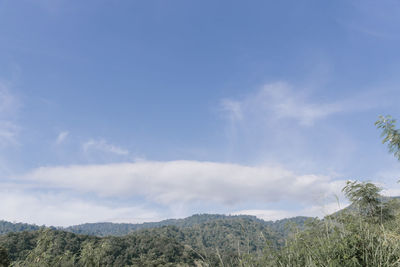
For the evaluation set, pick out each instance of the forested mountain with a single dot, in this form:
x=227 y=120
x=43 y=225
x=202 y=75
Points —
x=205 y=240
x=48 y=247
x=119 y=229
x=7 y=227
x=279 y=229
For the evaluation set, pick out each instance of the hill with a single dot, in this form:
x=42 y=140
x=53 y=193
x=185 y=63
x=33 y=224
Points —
x=120 y=229
x=202 y=240
x=7 y=227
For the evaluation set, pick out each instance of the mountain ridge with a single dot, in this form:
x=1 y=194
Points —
x=102 y=229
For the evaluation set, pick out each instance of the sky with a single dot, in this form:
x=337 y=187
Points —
x=136 y=111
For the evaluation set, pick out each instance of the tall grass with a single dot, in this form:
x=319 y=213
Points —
x=347 y=240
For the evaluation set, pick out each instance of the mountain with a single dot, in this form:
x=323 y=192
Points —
x=50 y=247
x=7 y=227
x=199 y=240
x=280 y=227
x=120 y=229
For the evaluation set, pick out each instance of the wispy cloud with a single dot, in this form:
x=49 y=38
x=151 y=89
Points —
x=8 y=133
x=104 y=146
x=9 y=106
x=281 y=100
x=62 y=136
x=232 y=108
x=376 y=19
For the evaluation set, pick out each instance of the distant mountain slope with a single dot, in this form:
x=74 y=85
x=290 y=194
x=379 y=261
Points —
x=7 y=227
x=120 y=229
x=199 y=220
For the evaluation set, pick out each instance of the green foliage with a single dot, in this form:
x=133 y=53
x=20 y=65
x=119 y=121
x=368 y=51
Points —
x=390 y=135
x=200 y=240
x=7 y=227
x=48 y=247
x=120 y=229
x=344 y=242
x=4 y=259
x=365 y=196
x=345 y=239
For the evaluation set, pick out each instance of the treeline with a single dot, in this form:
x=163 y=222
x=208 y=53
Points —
x=48 y=247
x=120 y=229
x=203 y=240
x=7 y=227
x=221 y=240
x=205 y=244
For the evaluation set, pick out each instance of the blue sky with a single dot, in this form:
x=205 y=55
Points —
x=132 y=111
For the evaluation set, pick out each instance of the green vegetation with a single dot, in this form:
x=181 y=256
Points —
x=205 y=240
x=120 y=229
x=366 y=237
x=390 y=135
x=48 y=247
x=7 y=227
x=367 y=233
x=4 y=259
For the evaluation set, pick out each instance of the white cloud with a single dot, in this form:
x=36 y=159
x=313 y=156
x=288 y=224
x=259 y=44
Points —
x=188 y=182
x=61 y=137
x=63 y=210
x=102 y=145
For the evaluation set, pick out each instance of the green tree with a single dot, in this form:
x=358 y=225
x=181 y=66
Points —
x=390 y=135
x=4 y=260
x=365 y=196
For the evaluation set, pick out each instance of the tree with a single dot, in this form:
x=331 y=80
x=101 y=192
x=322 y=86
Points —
x=390 y=135
x=366 y=197
x=4 y=260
